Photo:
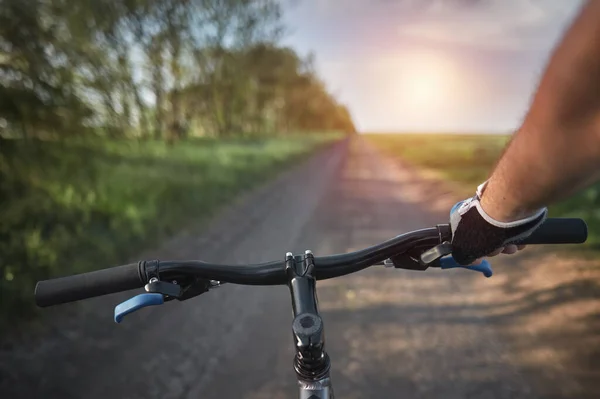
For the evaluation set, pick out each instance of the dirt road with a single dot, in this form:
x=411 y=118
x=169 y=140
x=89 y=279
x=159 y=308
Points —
x=390 y=333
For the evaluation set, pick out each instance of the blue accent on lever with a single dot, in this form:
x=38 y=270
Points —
x=135 y=303
x=448 y=262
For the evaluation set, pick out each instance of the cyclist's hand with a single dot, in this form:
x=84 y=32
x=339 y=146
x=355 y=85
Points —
x=475 y=234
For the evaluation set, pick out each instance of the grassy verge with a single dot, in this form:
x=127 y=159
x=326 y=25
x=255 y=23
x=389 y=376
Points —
x=68 y=207
x=468 y=159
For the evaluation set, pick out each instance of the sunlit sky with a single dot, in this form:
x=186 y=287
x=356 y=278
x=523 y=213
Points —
x=431 y=65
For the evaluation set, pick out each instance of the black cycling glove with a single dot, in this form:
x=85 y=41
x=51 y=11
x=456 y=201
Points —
x=475 y=234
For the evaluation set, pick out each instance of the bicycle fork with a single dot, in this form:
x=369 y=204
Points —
x=311 y=362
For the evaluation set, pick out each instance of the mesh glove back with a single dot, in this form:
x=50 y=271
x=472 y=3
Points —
x=475 y=234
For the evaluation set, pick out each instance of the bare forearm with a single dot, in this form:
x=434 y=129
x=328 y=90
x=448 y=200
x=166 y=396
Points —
x=557 y=149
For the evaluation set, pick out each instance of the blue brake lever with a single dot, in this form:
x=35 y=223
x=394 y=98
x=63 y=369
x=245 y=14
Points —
x=135 y=303
x=448 y=262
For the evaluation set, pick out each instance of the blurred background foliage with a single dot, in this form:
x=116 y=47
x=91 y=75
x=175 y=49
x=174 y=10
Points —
x=122 y=120
x=163 y=69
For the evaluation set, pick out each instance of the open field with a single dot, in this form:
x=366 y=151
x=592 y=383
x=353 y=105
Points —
x=468 y=159
x=70 y=206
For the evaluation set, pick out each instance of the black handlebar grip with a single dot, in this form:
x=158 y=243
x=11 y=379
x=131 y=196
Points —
x=88 y=285
x=559 y=231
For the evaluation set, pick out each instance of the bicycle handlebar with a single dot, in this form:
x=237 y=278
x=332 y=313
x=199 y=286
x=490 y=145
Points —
x=122 y=278
x=88 y=285
x=559 y=231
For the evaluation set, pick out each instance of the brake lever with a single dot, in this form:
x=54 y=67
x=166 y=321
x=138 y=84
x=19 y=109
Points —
x=438 y=256
x=159 y=292
x=484 y=267
x=136 y=303
x=441 y=256
x=433 y=254
x=168 y=290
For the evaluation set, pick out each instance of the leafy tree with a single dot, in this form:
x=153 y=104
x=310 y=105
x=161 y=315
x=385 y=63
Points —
x=154 y=67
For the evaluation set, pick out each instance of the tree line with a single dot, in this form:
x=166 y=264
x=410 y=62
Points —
x=160 y=69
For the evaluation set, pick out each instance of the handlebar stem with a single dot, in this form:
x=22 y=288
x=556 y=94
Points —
x=311 y=361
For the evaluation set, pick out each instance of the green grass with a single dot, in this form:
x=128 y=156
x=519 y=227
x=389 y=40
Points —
x=68 y=207
x=468 y=160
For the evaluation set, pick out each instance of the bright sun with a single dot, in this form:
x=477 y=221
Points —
x=419 y=84
x=423 y=82
x=417 y=87
x=423 y=87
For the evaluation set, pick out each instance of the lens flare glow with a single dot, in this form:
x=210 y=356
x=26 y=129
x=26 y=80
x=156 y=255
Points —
x=419 y=86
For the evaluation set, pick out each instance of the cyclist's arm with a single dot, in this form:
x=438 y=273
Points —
x=557 y=149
